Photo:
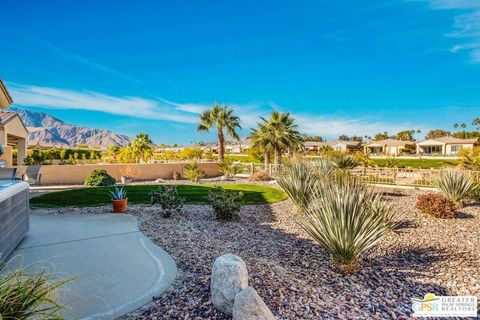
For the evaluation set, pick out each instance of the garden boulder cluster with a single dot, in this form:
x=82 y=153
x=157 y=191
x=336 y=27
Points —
x=231 y=293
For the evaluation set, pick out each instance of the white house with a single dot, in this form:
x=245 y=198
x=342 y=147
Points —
x=345 y=146
x=388 y=147
x=448 y=146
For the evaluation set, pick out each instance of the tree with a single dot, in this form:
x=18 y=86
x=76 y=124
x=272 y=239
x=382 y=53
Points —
x=307 y=137
x=222 y=118
x=279 y=132
x=381 y=136
x=418 y=133
x=405 y=135
x=437 y=133
x=344 y=137
x=141 y=147
x=263 y=139
x=476 y=122
x=455 y=125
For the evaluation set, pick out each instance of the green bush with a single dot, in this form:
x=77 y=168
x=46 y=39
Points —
x=226 y=205
x=192 y=172
x=436 y=205
x=347 y=218
x=99 y=178
x=24 y=296
x=168 y=199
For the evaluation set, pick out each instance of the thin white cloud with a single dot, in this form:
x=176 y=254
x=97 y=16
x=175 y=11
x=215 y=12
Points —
x=162 y=109
x=466 y=24
x=137 y=107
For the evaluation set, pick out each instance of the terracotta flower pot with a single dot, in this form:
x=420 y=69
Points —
x=120 y=206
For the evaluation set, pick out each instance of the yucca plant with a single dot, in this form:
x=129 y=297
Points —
x=345 y=162
x=300 y=179
x=193 y=172
x=229 y=169
x=118 y=193
x=456 y=185
x=347 y=218
x=24 y=296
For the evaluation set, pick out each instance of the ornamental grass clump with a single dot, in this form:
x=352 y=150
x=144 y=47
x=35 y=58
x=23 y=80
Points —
x=345 y=162
x=24 y=296
x=225 y=204
x=347 y=218
x=168 y=199
x=193 y=172
x=228 y=168
x=436 y=205
x=456 y=185
x=301 y=179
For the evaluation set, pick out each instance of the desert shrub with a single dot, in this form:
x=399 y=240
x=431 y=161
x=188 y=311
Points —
x=260 y=176
x=192 y=172
x=300 y=179
x=99 y=178
x=347 y=218
x=168 y=199
x=191 y=153
x=24 y=296
x=456 y=185
x=228 y=168
x=226 y=205
x=344 y=162
x=437 y=205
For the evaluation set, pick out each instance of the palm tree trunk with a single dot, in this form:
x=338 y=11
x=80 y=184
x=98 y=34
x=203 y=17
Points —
x=267 y=160
x=221 y=142
x=278 y=155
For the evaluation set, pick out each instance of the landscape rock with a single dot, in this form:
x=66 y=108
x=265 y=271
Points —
x=229 y=277
x=249 y=305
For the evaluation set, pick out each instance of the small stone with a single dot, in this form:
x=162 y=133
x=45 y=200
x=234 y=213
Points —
x=250 y=306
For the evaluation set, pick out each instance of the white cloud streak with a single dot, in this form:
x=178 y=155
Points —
x=162 y=109
x=466 y=25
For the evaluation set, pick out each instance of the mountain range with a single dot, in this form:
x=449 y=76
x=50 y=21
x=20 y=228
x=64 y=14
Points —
x=45 y=130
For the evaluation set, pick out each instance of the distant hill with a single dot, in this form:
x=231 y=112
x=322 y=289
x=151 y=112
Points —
x=45 y=129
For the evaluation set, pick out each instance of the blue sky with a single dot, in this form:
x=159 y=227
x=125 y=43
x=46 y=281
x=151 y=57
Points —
x=353 y=67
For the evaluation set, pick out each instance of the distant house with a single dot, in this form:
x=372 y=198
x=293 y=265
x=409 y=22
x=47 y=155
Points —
x=345 y=146
x=388 y=147
x=448 y=146
x=13 y=133
x=313 y=147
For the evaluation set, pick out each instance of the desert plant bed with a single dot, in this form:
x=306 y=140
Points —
x=293 y=274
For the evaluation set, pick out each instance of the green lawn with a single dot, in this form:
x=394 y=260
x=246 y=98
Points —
x=416 y=163
x=194 y=194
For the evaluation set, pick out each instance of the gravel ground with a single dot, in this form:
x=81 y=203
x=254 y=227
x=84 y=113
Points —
x=293 y=275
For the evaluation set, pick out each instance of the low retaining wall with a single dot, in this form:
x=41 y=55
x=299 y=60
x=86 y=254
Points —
x=76 y=174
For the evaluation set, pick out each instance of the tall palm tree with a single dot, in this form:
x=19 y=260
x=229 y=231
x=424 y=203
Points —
x=142 y=147
x=262 y=138
x=476 y=122
x=282 y=132
x=464 y=126
x=221 y=117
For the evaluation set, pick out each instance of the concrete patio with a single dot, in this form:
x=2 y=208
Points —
x=117 y=269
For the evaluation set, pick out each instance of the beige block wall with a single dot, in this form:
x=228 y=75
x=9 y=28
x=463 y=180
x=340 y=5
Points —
x=7 y=155
x=76 y=174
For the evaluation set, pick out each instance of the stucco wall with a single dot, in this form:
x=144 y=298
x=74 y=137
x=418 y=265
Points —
x=7 y=155
x=449 y=148
x=76 y=174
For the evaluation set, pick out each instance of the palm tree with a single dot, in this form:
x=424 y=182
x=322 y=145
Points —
x=476 y=122
x=141 y=147
x=281 y=132
x=464 y=126
x=262 y=138
x=418 y=134
x=221 y=117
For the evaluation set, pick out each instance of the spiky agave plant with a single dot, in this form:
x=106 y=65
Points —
x=300 y=179
x=345 y=162
x=456 y=185
x=348 y=218
x=24 y=296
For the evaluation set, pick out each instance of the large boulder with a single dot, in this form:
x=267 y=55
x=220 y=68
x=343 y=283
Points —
x=250 y=306
x=229 y=277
